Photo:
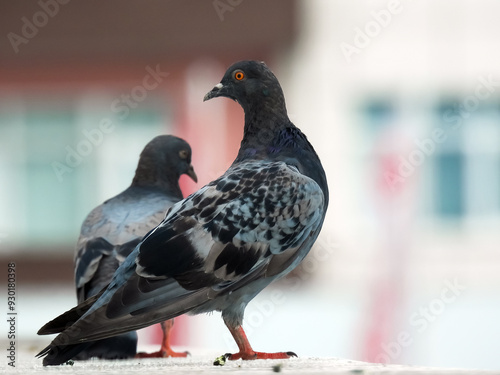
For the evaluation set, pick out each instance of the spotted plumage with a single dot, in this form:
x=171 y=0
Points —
x=237 y=234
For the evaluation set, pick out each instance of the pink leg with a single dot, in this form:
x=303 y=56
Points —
x=165 y=350
x=246 y=352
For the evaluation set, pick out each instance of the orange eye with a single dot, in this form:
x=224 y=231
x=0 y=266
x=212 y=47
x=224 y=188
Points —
x=239 y=75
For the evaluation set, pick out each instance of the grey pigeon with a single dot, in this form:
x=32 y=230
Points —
x=112 y=230
x=218 y=248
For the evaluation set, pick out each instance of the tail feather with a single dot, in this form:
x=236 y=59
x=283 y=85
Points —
x=57 y=355
x=119 y=347
x=65 y=320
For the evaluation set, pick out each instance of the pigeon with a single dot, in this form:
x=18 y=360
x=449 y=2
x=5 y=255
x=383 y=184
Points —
x=222 y=245
x=112 y=230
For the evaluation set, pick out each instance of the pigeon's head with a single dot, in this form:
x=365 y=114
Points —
x=165 y=157
x=250 y=83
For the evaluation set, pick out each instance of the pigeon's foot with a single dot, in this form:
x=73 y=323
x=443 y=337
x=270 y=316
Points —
x=162 y=354
x=221 y=361
x=246 y=352
x=259 y=355
x=165 y=351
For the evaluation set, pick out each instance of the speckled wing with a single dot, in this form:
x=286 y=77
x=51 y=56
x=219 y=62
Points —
x=248 y=224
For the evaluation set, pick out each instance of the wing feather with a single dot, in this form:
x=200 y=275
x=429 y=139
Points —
x=109 y=234
x=243 y=227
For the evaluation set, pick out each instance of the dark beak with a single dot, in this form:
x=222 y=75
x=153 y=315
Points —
x=215 y=92
x=191 y=173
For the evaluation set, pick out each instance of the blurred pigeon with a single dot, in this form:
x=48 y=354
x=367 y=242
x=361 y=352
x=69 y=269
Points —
x=113 y=229
x=218 y=248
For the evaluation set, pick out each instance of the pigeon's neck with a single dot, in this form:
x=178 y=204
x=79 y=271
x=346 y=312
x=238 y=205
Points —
x=263 y=120
x=149 y=175
x=282 y=141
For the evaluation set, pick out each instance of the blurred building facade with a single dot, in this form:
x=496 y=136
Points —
x=400 y=99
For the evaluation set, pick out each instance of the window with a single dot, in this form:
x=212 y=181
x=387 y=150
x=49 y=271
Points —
x=57 y=164
x=457 y=177
x=448 y=181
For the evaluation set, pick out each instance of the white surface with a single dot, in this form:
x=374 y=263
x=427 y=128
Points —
x=27 y=364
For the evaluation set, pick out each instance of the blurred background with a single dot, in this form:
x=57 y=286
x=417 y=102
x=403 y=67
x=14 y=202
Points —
x=401 y=100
